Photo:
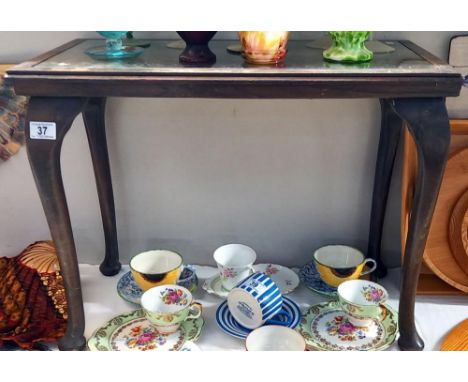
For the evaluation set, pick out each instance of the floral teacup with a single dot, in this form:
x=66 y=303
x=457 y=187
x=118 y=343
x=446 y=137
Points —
x=362 y=301
x=235 y=263
x=167 y=306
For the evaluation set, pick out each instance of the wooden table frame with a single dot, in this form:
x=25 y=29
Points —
x=415 y=100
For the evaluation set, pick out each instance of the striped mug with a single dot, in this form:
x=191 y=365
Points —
x=256 y=301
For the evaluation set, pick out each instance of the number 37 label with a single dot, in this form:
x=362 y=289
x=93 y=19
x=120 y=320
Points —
x=42 y=130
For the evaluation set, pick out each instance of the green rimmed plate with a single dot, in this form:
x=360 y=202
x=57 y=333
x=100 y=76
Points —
x=325 y=327
x=132 y=331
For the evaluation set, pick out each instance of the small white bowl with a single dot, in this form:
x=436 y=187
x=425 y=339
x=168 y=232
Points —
x=274 y=337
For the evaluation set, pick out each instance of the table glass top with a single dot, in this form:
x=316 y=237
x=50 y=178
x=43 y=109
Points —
x=158 y=59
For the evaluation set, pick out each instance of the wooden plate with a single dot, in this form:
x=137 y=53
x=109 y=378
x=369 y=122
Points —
x=457 y=339
x=438 y=254
x=458 y=237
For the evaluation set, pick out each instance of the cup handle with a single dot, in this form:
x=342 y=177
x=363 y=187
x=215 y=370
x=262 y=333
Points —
x=373 y=268
x=284 y=313
x=252 y=270
x=195 y=311
x=383 y=312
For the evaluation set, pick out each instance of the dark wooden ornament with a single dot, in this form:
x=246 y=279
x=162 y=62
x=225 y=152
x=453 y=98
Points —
x=197 y=50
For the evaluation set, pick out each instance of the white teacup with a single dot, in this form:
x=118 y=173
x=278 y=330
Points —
x=235 y=263
x=273 y=337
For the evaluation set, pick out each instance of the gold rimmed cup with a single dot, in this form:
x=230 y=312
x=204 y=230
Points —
x=156 y=267
x=339 y=263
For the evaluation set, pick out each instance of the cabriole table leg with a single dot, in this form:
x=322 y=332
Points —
x=44 y=158
x=390 y=131
x=428 y=123
x=94 y=119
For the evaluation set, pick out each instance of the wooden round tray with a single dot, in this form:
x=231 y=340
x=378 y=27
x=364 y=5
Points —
x=458 y=231
x=438 y=254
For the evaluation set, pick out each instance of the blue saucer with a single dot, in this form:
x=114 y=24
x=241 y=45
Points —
x=311 y=279
x=227 y=323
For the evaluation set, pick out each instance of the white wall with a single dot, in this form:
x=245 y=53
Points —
x=281 y=176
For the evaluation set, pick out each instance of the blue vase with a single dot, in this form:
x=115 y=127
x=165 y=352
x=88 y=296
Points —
x=114 y=48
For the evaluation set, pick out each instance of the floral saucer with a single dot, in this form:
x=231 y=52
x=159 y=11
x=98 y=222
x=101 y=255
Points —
x=228 y=323
x=325 y=327
x=129 y=290
x=286 y=279
x=132 y=331
x=213 y=286
x=311 y=279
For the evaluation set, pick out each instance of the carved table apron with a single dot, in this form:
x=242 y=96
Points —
x=411 y=84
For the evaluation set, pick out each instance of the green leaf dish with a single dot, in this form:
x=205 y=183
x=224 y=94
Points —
x=132 y=331
x=348 y=47
x=325 y=327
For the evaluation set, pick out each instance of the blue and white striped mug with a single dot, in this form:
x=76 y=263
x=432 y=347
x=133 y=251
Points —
x=256 y=301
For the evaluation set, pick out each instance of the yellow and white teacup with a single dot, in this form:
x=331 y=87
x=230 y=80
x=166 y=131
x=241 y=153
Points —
x=157 y=267
x=339 y=263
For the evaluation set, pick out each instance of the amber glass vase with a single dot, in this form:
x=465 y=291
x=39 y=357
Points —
x=264 y=48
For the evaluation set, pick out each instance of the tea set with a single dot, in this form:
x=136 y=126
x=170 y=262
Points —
x=255 y=308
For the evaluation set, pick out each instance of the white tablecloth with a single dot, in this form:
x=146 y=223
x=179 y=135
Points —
x=435 y=316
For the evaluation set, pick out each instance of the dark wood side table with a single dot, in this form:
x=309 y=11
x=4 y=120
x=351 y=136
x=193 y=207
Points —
x=411 y=84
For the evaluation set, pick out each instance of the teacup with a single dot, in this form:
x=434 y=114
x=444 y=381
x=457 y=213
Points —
x=274 y=337
x=153 y=268
x=362 y=301
x=255 y=301
x=235 y=263
x=167 y=306
x=339 y=263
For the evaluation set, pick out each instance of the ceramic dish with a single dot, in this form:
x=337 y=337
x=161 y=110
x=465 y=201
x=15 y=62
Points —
x=310 y=277
x=286 y=279
x=325 y=327
x=132 y=331
x=227 y=323
x=129 y=290
x=213 y=286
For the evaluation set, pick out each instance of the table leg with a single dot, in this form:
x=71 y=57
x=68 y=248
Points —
x=94 y=119
x=44 y=158
x=390 y=131
x=428 y=123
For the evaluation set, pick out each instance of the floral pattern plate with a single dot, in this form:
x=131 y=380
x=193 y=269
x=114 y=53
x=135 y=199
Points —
x=286 y=279
x=325 y=327
x=132 y=331
x=128 y=289
x=213 y=286
x=228 y=323
x=311 y=279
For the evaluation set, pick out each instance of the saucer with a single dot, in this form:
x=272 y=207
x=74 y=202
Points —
x=132 y=331
x=325 y=327
x=129 y=290
x=286 y=279
x=227 y=323
x=213 y=286
x=311 y=279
